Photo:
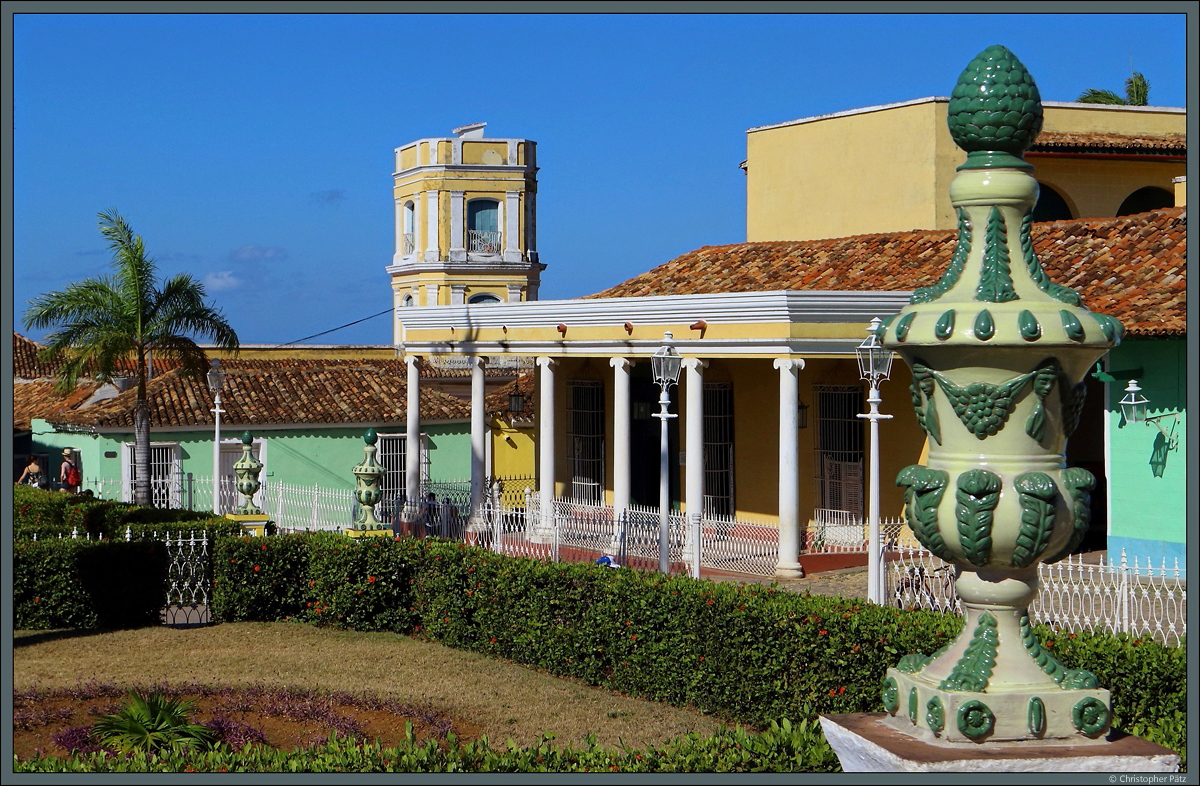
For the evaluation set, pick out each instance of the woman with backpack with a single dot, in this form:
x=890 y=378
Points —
x=68 y=473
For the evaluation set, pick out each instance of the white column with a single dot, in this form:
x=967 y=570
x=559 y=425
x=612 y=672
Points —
x=622 y=421
x=788 y=565
x=399 y=255
x=546 y=457
x=514 y=293
x=512 y=226
x=431 y=294
x=693 y=488
x=412 y=441
x=478 y=435
x=458 y=253
x=458 y=294
x=433 y=248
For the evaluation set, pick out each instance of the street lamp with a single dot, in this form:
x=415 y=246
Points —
x=1134 y=406
x=665 y=363
x=216 y=381
x=874 y=365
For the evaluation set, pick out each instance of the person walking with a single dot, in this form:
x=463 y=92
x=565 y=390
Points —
x=32 y=476
x=68 y=473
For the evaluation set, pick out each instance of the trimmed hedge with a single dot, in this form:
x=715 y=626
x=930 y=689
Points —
x=81 y=584
x=50 y=514
x=745 y=652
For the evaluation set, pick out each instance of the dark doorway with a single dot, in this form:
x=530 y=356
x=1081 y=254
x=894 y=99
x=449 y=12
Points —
x=644 y=439
x=1085 y=449
x=1148 y=198
x=1050 y=205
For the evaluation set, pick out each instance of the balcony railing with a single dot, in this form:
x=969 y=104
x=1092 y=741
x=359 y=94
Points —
x=408 y=243
x=483 y=242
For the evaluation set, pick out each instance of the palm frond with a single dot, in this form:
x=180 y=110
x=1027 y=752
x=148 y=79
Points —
x=1137 y=90
x=1094 y=96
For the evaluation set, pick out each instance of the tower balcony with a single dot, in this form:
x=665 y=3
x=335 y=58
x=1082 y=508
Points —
x=481 y=241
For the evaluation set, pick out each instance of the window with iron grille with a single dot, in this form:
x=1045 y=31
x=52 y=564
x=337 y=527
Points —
x=393 y=456
x=718 y=448
x=585 y=439
x=838 y=447
x=165 y=479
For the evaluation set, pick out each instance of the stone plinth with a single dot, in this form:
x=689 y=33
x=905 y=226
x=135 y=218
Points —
x=865 y=742
x=253 y=524
x=368 y=533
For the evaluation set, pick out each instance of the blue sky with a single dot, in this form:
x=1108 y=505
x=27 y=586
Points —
x=255 y=151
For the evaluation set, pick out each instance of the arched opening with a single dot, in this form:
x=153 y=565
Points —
x=410 y=215
x=485 y=297
x=483 y=226
x=1148 y=198
x=1050 y=205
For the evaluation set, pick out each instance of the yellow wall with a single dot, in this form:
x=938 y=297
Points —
x=513 y=451
x=1093 y=191
x=890 y=169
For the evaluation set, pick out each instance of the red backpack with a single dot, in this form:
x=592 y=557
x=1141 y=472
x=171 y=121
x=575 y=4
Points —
x=72 y=476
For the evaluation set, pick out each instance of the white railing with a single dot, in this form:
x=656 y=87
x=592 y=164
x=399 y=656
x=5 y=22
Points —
x=407 y=243
x=840 y=531
x=1073 y=595
x=482 y=241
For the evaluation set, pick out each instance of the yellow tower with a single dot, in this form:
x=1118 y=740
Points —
x=465 y=221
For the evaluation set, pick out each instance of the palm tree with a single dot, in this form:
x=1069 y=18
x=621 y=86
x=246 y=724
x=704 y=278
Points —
x=109 y=321
x=1137 y=93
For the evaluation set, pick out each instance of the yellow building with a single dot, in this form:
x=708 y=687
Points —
x=888 y=168
x=767 y=437
x=464 y=221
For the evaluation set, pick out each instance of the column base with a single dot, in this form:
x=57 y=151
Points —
x=793 y=571
x=864 y=742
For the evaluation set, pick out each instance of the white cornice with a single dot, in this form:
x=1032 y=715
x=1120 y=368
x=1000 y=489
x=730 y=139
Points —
x=730 y=309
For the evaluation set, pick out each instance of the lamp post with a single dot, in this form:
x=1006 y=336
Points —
x=665 y=363
x=216 y=381
x=874 y=365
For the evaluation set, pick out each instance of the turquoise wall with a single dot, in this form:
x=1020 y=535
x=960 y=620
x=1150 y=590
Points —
x=299 y=457
x=1147 y=479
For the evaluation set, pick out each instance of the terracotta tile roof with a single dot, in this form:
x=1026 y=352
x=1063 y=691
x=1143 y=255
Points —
x=1061 y=141
x=279 y=392
x=497 y=402
x=37 y=399
x=27 y=366
x=25 y=361
x=1133 y=268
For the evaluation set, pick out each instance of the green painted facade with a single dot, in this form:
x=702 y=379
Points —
x=1147 y=479
x=297 y=456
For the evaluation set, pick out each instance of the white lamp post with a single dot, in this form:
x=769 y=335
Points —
x=216 y=381
x=874 y=365
x=665 y=363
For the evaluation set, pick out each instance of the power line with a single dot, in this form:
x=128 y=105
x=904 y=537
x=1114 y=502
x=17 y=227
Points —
x=331 y=330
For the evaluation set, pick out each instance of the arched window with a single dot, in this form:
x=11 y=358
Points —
x=410 y=215
x=1050 y=205
x=485 y=297
x=408 y=301
x=1148 y=198
x=483 y=226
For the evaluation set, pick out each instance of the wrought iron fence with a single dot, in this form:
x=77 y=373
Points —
x=482 y=241
x=1073 y=595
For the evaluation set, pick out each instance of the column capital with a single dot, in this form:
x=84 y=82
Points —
x=698 y=364
x=412 y=360
x=477 y=361
x=623 y=364
x=547 y=362
x=788 y=363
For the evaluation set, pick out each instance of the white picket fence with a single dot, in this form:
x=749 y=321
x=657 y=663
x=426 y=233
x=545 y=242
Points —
x=1121 y=596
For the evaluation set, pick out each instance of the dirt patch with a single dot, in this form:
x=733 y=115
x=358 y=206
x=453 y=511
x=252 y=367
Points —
x=50 y=722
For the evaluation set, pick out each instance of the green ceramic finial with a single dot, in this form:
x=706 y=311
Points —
x=247 y=438
x=370 y=437
x=995 y=111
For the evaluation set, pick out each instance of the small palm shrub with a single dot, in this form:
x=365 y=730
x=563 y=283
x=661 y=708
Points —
x=151 y=723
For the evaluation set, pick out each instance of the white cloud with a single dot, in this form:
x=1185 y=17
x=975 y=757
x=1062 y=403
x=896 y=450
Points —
x=221 y=280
